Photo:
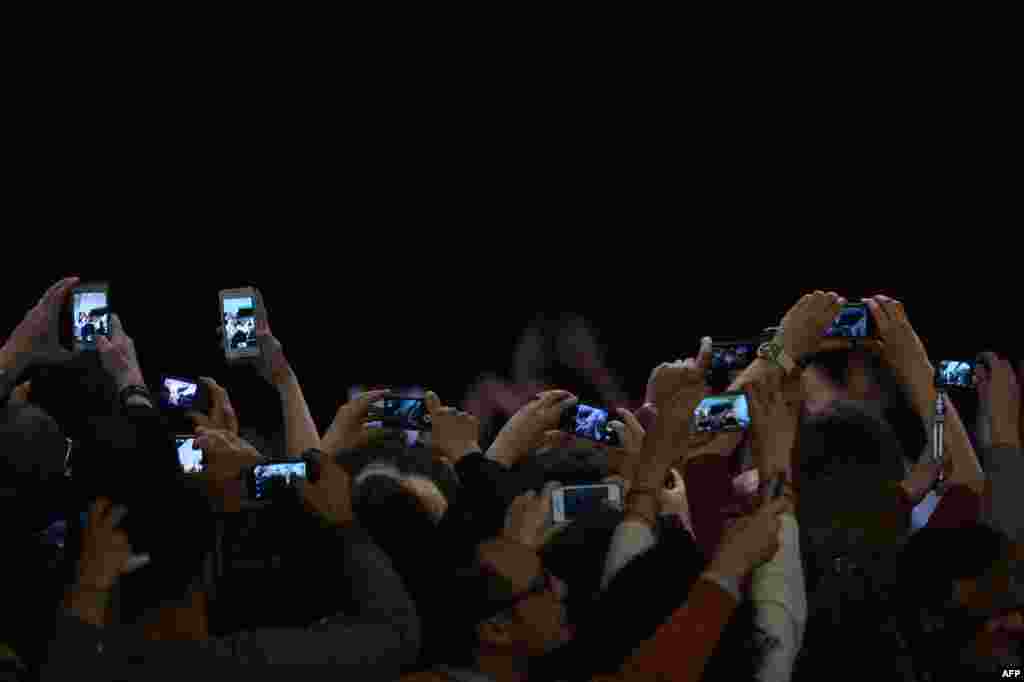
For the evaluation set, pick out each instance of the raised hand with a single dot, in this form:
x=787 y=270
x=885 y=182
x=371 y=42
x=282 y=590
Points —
x=106 y=553
x=36 y=339
x=118 y=357
x=666 y=378
x=803 y=327
x=271 y=363
x=527 y=516
x=1000 y=391
x=525 y=431
x=222 y=414
x=750 y=541
x=904 y=352
x=330 y=497
x=775 y=420
x=453 y=432
x=348 y=431
x=225 y=455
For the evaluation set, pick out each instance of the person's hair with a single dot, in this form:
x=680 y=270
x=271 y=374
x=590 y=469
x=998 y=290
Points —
x=852 y=528
x=32 y=445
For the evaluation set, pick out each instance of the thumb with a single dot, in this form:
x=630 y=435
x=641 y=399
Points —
x=704 y=356
x=432 y=401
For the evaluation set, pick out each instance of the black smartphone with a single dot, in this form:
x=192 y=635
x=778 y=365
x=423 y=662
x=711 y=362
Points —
x=267 y=481
x=730 y=356
x=409 y=414
x=955 y=374
x=190 y=458
x=854 y=321
x=587 y=421
x=775 y=486
x=723 y=412
x=183 y=393
x=89 y=314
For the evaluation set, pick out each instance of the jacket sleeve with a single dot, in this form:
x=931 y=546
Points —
x=1004 y=505
x=372 y=643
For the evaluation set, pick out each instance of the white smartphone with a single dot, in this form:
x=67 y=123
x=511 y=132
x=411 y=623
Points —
x=238 y=316
x=568 y=502
x=90 y=314
x=189 y=457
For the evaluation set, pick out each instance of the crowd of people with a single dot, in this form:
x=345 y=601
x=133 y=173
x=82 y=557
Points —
x=832 y=535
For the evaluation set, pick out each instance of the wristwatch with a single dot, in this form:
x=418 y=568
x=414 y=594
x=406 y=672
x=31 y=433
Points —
x=774 y=352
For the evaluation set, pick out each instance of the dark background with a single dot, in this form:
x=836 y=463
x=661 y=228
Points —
x=405 y=219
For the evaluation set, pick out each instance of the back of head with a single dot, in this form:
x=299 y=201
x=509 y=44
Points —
x=852 y=529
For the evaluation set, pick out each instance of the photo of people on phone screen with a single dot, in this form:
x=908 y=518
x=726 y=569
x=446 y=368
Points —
x=956 y=373
x=91 y=316
x=191 y=459
x=239 y=322
x=179 y=393
x=732 y=357
x=718 y=413
x=592 y=423
x=411 y=437
x=274 y=478
x=410 y=411
x=852 y=322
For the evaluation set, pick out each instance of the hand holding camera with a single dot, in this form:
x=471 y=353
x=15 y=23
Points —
x=527 y=516
x=36 y=339
x=524 y=432
x=348 y=431
x=222 y=414
x=118 y=357
x=807 y=322
x=904 y=352
x=454 y=433
x=750 y=541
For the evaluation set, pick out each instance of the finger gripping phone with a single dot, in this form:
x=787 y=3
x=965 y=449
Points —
x=723 y=412
x=587 y=421
x=182 y=393
x=569 y=502
x=957 y=374
x=238 y=317
x=190 y=458
x=854 y=321
x=272 y=480
x=89 y=314
x=400 y=413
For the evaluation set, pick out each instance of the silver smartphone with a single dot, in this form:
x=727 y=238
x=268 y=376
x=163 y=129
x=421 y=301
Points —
x=568 y=502
x=238 y=317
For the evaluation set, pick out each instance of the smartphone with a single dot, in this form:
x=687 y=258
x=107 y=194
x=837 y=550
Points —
x=955 y=374
x=587 y=421
x=401 y=413
x=181 y=393
x=269 y=480
x=775 y=486
x=90 y=314
x=723 y=412
x=189 y=457
x=238 y=316
x=854 y=321
x=729 y=356
x=569 y=502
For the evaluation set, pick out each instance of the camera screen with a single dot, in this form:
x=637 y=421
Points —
x=956 y=373
x=191 y=460
x=274 y=478
x=732 y=356
x=853 y=321
x=584 y=499
x=408 y=413
x=178 y=393
x=89 y=316
x=586 y=421
x=722 y=413
x=239 y=323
